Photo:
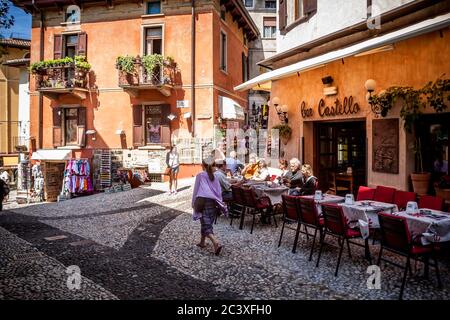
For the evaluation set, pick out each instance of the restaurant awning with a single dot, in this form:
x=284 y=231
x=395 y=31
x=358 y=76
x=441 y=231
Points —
x=52 y=155
x=230 y=109
x=414 y=30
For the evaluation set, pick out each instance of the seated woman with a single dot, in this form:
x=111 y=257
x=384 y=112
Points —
x=283 y=166
x=263 y=172
x=250 y=169
x=293 y=179
x=309 y=182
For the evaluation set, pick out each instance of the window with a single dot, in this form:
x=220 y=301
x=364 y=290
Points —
x=270 y=4
x=248 y=3
x=244 y=67
x=223 y=51
x=270 y=27
x=153 y=7
x=153 y=40
x=72 y=14
x=70 y=45
x=294 y=10
x=70 y=126
x=298 y=9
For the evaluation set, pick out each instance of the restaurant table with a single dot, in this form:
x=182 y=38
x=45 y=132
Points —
x=274 y=193
x=429 y=225
x=367 y=212
x=326 y=198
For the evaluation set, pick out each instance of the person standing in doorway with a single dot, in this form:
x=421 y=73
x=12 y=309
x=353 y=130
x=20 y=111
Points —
x=173 y=162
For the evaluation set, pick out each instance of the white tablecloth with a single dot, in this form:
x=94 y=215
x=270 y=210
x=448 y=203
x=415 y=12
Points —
x=367 y=213
x=327 y=198
x=429 y=225
x=274 y=193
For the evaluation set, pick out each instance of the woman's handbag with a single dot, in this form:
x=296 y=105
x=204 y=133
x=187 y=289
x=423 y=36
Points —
x=168 y=171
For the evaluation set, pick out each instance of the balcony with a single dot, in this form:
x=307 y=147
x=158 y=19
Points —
x=152 y=72
x=67 y=76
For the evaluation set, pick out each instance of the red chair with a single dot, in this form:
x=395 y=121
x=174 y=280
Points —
x=238 y=206
x=291 y=214
x=401 y=198
x=365 y=193
x=335 y=224
x=262 y=205
x=395 y=237
x=310 y=218
x=430 y=202
x=384 y=194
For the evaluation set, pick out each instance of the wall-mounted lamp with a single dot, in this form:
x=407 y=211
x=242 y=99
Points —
x=187 y=115
x=171 y=116
x=120 y=132
x=329 y=90
x=370 y=86
x=282 y=111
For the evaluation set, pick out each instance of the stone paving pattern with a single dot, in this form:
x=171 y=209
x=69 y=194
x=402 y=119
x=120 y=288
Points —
x=140 y=244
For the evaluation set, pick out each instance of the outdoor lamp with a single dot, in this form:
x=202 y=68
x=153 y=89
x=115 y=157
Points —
x=370 y=86
x=171 y=116
x=276 y=101
x=93 y=133
x=282 y=113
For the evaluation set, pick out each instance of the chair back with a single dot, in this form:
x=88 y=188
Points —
x=401 y=198
x=365 y=193
x=394 y=232
x=308 y=211
x=250 y=198
x=290 y=207
x=238 y=196
x=334 y=219
x=430 y=202
x=384 y=194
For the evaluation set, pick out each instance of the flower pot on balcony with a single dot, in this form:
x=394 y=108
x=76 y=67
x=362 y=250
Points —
x=421 y=182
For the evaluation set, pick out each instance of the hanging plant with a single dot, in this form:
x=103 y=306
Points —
x=125 y=64
x=284 y=131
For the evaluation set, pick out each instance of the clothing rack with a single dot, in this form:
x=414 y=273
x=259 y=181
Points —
x=77 y=176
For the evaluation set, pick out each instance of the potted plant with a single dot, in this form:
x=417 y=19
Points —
x=442 y=188
x=153 y=64
x=127 y=70
x=285 y=132
x=414 y=101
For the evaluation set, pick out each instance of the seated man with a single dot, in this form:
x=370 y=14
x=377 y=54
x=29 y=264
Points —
x=233 y=163
x=294 y=177
x=225 y=185
x=309 y=181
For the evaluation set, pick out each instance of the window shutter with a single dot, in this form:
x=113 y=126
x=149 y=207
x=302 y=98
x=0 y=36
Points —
x=82 y=44
x=309 y=6
x=57 y=130
x=138 y=130
x=165 y=125
x=57 y=46
x=282 y=14
x=81 y=127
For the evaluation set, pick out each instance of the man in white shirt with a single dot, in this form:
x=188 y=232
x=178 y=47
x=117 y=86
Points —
x=225 y=184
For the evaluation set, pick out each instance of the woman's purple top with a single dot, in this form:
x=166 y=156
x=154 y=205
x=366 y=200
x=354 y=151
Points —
x=206 y=188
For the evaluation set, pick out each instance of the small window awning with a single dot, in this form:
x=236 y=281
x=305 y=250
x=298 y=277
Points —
x=230 y=109
x=414 y=30
x=52 y=155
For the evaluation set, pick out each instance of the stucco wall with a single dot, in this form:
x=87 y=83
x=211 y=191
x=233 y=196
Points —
x=330 y=17
x=413 y=62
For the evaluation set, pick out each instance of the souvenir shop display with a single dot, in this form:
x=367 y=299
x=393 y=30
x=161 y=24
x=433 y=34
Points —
x=77 y=177
x=105 y=169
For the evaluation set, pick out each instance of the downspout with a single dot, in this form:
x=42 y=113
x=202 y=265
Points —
x=41 y=97
x=193 y=68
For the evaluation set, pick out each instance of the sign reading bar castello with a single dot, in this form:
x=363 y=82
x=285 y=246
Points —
x=338 y=108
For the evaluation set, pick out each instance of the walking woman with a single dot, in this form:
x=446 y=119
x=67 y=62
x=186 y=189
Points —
x=207 y=203
x=173 y=162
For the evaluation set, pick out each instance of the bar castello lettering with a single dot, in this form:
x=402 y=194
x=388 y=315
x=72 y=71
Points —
x=306 y=112
x=338 y=109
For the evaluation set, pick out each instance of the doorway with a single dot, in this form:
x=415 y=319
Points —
x=339 y=146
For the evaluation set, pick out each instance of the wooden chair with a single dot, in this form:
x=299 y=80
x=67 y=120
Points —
x=336 y=187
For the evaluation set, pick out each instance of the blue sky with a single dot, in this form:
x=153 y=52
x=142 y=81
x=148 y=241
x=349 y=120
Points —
x=22 y=24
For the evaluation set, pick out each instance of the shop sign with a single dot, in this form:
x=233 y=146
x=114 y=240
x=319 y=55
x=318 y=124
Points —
x=338 y=108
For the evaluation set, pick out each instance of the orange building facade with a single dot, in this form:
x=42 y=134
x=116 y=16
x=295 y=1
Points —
x=206 y=42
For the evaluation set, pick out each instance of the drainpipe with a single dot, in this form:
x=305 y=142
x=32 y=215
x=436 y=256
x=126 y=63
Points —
x=41 y=97
x=193 y=68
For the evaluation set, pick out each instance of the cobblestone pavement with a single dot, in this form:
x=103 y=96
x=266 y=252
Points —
x=140 y=244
